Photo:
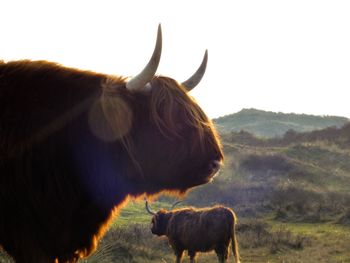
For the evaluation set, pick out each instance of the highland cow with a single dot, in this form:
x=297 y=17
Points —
x=197 y=230
x=75 y=145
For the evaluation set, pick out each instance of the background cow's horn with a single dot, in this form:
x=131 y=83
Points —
x=196 y=78
x=139 y=81
x=148 y=209
x=175 y=204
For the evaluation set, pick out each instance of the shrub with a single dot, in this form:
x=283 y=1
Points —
x=4 y=257
x=255 y=233
x=266 y=164
x=283 y=239
x=345 y=218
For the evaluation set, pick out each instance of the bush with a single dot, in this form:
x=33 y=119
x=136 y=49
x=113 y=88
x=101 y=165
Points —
x=283 y=239
x=255 y=233
x=293 y=203
x=345 y=218
x=4 y=257
x=266 y=164
x=252 y=234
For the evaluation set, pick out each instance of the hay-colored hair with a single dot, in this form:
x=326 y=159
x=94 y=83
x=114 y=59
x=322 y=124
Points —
x=170 y=97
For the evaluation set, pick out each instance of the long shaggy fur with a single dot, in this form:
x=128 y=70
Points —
x=74 y=145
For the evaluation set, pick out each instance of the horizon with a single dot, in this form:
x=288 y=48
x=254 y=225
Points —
x=280 y=112
x=290 y=57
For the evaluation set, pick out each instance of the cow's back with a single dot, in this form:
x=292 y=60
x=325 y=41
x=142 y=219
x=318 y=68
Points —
x=38 y=98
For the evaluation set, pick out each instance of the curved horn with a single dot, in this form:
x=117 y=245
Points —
x=175 y=204
x=148 y=209
x=196 y=77
x=139 y=81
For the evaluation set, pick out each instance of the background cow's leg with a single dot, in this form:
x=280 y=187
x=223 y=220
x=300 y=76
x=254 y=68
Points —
x=192 y=255
x=68 y=259
x=179 y=253
x=222 y=253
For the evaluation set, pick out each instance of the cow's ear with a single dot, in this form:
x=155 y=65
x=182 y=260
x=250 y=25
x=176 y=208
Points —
x=110 y=118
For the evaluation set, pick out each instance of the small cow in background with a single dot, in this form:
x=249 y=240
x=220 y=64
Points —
x=197 y=230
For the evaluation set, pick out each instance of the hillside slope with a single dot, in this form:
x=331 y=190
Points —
x=271 y=124
x=302 y=177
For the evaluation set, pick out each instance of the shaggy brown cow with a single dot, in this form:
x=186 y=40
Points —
x=74 y=145
x=197 y=230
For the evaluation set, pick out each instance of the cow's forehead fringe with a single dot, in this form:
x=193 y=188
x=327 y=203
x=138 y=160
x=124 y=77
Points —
x=113 y=82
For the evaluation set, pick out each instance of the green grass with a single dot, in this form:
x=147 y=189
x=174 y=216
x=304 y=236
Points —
x=319 y=243
x=133 y=212
x=130 y=240
x=330 y=242
x=327 y=242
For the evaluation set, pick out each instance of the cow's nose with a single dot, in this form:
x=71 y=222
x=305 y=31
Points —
x=214 y=166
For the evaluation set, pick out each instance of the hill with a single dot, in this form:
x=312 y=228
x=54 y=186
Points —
x=291 y=195
x=304 y=175
x=271 y=124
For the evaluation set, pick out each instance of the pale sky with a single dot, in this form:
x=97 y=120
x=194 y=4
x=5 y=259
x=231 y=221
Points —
x=276 y=55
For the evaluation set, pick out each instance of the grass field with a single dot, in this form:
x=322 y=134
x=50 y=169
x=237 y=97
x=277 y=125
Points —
x=264 y=240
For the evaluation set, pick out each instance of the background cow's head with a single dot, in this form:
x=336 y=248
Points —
x=160 y=219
